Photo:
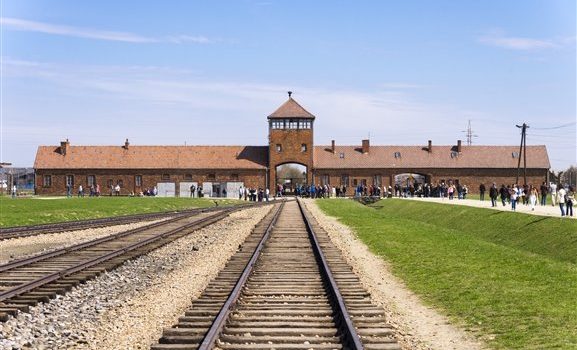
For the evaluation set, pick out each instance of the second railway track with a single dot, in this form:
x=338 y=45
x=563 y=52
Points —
x=287 y=288
x=26 y=231
x=27 y=281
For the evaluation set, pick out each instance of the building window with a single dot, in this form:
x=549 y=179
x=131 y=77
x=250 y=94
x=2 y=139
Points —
x=277 y=124
x=377 y=180
x=278 y=147
x=515 y=155
x=325 y=180
x=91 y=180
x=355 y=182
x=166 y=176
x=454 y=154
x=70 y=180
x=110 y=183
x=304 y=147
x=364 y=182
x=397 y=154
x=345 y=180
x=188 y=176
x=341 y=155
x=120 y=183
x=47 y=181
x=138 y=180
x=234 y=177
x=211 y=177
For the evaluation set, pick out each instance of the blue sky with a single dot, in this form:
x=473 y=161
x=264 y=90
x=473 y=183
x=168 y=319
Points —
x=209 y=72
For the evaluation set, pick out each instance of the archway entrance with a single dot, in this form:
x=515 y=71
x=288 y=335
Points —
x=290 y=178
x=409 y=184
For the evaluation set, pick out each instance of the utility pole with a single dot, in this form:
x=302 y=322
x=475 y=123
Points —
x=523 y=149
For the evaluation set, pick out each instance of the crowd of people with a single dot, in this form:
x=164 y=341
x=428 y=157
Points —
x=531 y=195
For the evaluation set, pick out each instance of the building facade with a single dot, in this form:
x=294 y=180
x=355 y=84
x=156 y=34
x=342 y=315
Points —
x=222 y=170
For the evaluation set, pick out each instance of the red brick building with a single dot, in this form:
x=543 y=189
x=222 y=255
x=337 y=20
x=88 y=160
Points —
x=221 y=170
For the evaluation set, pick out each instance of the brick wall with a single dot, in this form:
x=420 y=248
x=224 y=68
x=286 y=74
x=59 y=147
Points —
x=470 y=177
x=251 y=178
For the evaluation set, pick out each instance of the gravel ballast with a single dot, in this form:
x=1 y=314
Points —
x=16 y=248
x=128 y=307
x=417 y=326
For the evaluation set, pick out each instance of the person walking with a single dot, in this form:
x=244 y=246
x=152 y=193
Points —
x=514 y=193
x=561 y=199
x=14 y=190
x=192 y=190
x=570 y=200
x=553 y=190
x=80 y=191
x=533 y=197
x=503 y=193
x=493 y=193
x=482 y=192
x=544 y=191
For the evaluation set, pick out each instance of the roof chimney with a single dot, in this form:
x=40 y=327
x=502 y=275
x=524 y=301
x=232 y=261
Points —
x=430 y=146
x=64 y=147
x=333 y=146
x=126 y=144
x=459 y=146
x=365 y=146
x=290 y=93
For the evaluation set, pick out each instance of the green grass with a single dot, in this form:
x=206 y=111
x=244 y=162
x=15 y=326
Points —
x=34 y=211
x=509 y=277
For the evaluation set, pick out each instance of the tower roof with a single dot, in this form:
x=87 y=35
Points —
x=291 y=109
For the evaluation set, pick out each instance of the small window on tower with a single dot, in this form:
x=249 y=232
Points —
x=278 y=147
x=304 y=147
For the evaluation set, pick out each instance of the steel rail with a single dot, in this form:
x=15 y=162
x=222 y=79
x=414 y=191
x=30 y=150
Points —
x=89 y=263
x=24 y=231
x=36 y=258
x=350 y=333
x=220 y=320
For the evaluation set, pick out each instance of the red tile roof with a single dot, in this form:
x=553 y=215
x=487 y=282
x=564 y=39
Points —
x=418 y=157
x=291 y=109
x=152 y=157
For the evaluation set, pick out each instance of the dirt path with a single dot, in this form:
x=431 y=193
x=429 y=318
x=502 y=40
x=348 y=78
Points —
x=418 y=326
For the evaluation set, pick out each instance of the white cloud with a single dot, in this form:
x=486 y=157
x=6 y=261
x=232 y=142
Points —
x=499 y=38
x=88 y=33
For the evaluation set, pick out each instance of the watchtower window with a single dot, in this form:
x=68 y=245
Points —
x=278 y=147
x=304 y=147
x=277 y=124
x=293 y=124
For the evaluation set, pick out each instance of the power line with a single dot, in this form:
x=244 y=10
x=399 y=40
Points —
x=557 y=127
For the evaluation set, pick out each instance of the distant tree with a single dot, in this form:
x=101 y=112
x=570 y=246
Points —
x=569 y=176
x=291 y=171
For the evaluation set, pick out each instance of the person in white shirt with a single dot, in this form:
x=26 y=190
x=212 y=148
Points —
x=553 y=190
x=561 y=199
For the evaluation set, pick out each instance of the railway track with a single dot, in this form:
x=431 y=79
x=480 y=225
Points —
x=25 y=231
x=25 y=282
x=287 y=288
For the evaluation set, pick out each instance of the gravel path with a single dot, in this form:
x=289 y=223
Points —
x=417 y=326
x=547 y=210
x=128 y=307
x=11 y=249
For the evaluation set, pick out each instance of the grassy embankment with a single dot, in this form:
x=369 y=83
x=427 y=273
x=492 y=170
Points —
x=33 y=211
x=509 y=277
